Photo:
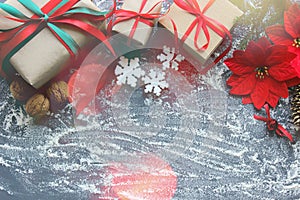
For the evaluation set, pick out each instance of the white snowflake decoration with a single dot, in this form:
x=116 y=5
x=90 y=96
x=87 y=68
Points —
x=155 y=82
x=169 y=59
x=128 y=71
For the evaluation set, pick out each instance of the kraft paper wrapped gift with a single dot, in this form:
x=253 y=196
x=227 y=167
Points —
x=222 y=11
x=43 y=57
x=143 y=31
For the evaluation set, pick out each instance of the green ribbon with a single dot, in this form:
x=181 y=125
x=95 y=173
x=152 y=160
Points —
x=13 y=11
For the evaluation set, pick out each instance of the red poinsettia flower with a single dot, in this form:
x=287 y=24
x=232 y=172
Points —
x=260 y=72
x=288 y=34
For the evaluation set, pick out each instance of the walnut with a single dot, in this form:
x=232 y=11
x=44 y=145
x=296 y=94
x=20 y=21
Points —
x=37 y=106
x=58 y=95
x=21 y=90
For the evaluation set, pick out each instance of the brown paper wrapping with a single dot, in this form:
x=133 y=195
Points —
x=222 y=10
x=143 y=30
x=43 y=57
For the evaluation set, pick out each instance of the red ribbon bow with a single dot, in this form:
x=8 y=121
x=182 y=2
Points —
x=202 y=22
x=146 y=18
x=273 y=126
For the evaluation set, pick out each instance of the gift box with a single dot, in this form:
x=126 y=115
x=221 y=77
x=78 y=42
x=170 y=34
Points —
x=216 y=15
x=44 y=56
x=128 y=16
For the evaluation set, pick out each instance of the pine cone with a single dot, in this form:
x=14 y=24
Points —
x=295 y=106
x=58 y=95
x=21 y=90
x=37 y=106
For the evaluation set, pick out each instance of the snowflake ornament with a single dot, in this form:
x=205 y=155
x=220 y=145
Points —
x=169 y=59
x=155 y=82
x=128 y=71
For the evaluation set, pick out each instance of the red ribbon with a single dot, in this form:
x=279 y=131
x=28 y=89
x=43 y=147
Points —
x=273 y=126
x=202 y=22
x=34 y=25
x=146 y=18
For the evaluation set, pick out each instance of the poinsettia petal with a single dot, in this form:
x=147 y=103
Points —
x=296 y=65
x=260 y=94
x=290 y=21
x=293 y=82
x=263 y=42
x=296 y=62
x=294 y=50
x=237 y=68
x=278 y=54
x=245 y=87
x=282 y=72
x=278 y=35
x=240 y=58
x=278 y=88
x=246 y=100
x=255 y=53
x=297 y=24
x=234 y=80
x=273 y=100
x=239 y=54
